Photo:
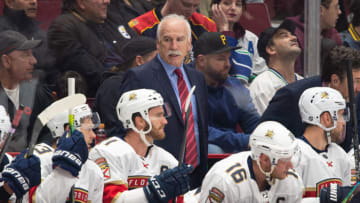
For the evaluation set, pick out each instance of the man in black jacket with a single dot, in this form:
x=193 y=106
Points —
x=83 y=40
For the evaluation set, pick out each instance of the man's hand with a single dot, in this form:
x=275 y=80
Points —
x=71 y=153
x=168 y=184
x=22 y=174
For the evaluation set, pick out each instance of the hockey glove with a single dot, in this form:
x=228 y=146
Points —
x=71 y=153
x=22 y=174
x=168 y=184
x=336 y=193
x=4 y=162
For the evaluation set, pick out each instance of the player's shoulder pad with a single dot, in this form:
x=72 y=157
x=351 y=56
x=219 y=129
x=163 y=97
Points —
x=199 y=19
x=146 y=21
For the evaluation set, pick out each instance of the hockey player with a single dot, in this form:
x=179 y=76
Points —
x=322 y=161
x=22 y=173
x=68 y=164
x=263 y=174
x=134 y=161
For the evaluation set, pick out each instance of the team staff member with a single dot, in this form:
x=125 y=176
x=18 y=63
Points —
x=167 y=74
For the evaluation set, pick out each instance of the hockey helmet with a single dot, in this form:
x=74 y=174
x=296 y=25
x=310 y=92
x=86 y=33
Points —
x=5 y=124
x=317 y=100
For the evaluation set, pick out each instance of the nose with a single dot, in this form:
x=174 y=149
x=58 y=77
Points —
x=92 y=134
x=33 y=60
x=107 y=2
x=165 y=121
x=227 y=63
x=174 y=45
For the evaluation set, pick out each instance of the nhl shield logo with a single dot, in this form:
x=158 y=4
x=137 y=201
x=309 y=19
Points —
x=123 y=32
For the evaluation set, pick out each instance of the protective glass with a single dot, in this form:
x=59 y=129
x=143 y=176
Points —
x=95 y=122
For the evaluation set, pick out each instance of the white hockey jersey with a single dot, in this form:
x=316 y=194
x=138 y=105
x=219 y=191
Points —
x=123 y=169
x=319 y=169
x=231 y=180
x=56 y=183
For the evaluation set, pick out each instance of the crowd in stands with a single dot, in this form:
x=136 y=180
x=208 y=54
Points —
x=241 y=79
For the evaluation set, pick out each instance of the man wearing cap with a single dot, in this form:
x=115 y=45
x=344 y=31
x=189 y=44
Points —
x=228 y=99
x=17 y=87
x=279 y=48
x=137 y=51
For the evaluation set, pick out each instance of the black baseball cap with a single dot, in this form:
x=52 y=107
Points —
x=137 y=46
x=268 y=34
x=212 y=43
x=12 y=40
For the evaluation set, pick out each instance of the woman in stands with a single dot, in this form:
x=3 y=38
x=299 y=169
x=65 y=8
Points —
x=226 y=14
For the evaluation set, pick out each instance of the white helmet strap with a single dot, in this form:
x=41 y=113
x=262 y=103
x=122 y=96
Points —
x=267 y=174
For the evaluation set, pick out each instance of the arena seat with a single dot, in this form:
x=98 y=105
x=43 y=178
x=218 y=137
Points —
x=256 y=19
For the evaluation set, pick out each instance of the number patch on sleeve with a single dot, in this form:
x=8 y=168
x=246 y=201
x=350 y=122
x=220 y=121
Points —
x=237 y=173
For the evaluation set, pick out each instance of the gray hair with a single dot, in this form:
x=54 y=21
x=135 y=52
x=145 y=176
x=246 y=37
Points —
x=175 y=17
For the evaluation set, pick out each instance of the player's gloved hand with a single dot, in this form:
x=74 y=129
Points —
x=71 y=153
x=22 y=174
x=336 y=193
x=168 y=184
x=4 y=162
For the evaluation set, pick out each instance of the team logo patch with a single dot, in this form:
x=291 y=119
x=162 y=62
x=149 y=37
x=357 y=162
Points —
x=132 y=96
x=326 y=183
x=123 y=32
x=81 y=196
x=269 y=133
x=133 y=23
x=215 y=195
x=137 y=181
x=324 y=95
x=104 y=166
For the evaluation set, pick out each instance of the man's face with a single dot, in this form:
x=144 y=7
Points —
x=285 y=43
x=343 y=85
x=217 y=66
x=184 y=7
x=158 y=122
x=329 y=16
x=337 y=134
x=232 y=9
x=95 y=10
x=21 y=64
x=29 y=6
x=282 y=168
x=86 y=129
x=174 y=43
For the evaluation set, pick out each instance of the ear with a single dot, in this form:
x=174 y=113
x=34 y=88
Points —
x=139 y=60
x=270 y=50
x=189 y=46
x=326 y=120
x=200 y=62
x=139 y=122
x=265 y=162
x=335 y=81
x=81 y=4
x=10 y=3
x=5 y=61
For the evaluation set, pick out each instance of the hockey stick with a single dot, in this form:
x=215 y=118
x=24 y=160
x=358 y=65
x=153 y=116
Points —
x=14 y=125
x=352 y=104
x=187 y=113
x=50 y=112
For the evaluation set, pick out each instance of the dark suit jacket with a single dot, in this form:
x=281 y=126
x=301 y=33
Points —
x=152 y=75
x=284 y=108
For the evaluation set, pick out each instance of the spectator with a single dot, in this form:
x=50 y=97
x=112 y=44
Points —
x=329 y=12
x=164 y=74
x=20 y=16
x=321 y=161
x=279 y=47
x=70 y=35
x=18 y=88
x=147 y=24
x=125 y=10
x=351 y=36
x=228 y=99
x=136 y=52
x=283 y=106
x=245 y=61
